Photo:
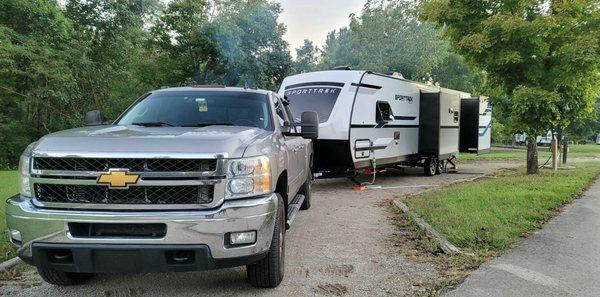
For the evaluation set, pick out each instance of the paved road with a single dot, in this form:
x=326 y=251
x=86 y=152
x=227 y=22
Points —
x=562 y=259
x=342 y=246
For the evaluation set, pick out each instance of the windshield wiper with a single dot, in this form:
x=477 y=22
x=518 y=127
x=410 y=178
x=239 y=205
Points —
x=208 y=124
x=153 y=124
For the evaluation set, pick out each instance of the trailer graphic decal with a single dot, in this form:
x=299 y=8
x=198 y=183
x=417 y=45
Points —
x=363 y=85
x=312 y=84
x=319 y=98
x=403 y=118
x=486 y=129
x=409 y=99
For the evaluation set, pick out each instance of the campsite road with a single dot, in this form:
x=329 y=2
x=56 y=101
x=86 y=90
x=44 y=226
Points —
x=559 y=260
x=342 y=246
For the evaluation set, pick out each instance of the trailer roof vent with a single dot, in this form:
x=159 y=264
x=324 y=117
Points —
x=394 y=74
x=342 y=68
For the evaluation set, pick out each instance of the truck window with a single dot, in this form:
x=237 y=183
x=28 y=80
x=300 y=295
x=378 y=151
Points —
x=283 y=114
x=320 y=99
x=201 y=108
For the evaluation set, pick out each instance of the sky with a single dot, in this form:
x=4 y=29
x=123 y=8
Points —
x=313 y=19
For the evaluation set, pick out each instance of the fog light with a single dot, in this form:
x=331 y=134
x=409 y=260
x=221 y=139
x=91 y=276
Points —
x=15 y=236
x=238 y=238
x=241 y=186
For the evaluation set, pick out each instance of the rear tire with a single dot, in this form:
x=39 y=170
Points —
x=268 y=272
x=440 y=168
x=61 y=278
x=305 y=190
x=430 y=167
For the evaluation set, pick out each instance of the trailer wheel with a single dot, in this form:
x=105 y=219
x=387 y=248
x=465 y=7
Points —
x=430 y=166
x=440 y=168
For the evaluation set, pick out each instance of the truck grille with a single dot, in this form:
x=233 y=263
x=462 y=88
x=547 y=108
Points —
x=134 y=165
x=144 y=195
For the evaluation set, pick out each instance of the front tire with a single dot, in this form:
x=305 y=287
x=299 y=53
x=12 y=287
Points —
x=61 y=278
x=269 y=272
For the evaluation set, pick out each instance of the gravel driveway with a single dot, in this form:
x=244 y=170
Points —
x=340 y=247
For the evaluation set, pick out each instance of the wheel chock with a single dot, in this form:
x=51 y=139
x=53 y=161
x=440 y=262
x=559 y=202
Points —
x=359 y=188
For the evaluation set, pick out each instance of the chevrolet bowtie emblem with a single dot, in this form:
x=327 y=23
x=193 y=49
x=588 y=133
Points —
x=118 y=179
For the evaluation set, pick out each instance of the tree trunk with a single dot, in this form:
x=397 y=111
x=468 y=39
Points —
x=565 y=150
x=532 y=157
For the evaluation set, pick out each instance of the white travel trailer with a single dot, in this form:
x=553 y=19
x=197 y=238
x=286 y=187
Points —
x=375 y=120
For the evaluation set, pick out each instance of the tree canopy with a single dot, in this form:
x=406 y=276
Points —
x=390 y=37
x=543 y=57
x=59 y=60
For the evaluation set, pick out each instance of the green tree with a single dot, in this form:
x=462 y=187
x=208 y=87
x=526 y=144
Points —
x=56 y=62
x=251 y=44
x=306 y=57
x=186 y=40
x=544 y=56
x=340 y=49
x=389 y=37
x=235 y=43
x=37 y=85
x=113 y=35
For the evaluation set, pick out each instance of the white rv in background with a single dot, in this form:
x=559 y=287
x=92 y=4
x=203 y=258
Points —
x=375 y=120
x=540 y=140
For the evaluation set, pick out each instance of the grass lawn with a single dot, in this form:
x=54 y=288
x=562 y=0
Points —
x=587 y=150
x=490 y=215
x=9 y=186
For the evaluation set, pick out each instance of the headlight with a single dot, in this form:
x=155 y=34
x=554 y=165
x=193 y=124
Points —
x=25 y=171
x=248 y=177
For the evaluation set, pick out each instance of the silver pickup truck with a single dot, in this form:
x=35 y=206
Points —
x=193 y=178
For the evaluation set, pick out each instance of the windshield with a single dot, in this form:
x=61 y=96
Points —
x=199 y=109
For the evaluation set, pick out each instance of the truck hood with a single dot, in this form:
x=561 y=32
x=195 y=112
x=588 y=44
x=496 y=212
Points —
x=135 y=141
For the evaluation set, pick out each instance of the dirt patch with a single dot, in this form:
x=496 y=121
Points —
x=345 y=245
x=338 y=270
x=332 y=289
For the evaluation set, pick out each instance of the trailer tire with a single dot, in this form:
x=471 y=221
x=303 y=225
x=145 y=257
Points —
x=430 y=167
x=61 y=278
x=440 y=168
x=268 y=272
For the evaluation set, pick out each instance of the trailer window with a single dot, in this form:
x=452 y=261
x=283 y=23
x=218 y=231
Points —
x=320 y=99
x=383 y=112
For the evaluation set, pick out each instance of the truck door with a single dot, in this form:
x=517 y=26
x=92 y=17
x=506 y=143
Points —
x=301 y=149
x=292 y=144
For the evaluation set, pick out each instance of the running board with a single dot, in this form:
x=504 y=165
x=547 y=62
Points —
x=293 y=209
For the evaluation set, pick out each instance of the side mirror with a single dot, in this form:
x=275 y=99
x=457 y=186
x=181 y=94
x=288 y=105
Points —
x=310 y=125
x=93 y=118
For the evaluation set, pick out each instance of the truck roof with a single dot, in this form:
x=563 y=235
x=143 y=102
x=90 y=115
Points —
x=212 y=89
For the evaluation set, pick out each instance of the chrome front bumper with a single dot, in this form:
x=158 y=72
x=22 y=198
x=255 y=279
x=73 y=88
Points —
x=205 y=227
